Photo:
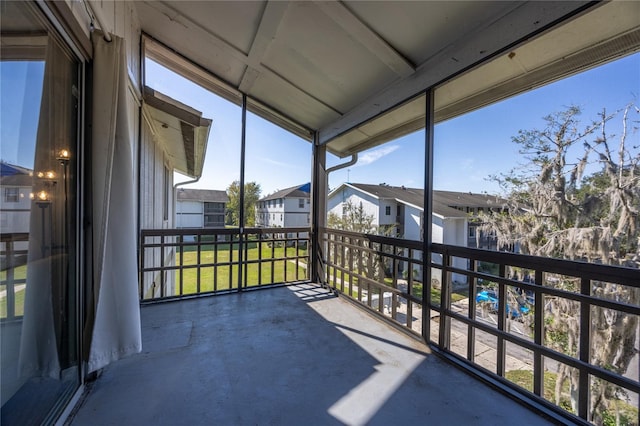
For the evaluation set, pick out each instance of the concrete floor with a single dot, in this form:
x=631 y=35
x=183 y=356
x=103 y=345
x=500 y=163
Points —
x=286 y=356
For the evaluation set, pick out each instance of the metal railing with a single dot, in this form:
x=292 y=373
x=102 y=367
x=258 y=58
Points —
x=494 y=312
x=177 y=263
x=379 y=272
x=13 y=261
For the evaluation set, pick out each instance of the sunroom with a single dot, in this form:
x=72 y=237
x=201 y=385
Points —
x=104 y=301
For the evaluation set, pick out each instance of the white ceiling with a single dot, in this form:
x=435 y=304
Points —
x=334 y=67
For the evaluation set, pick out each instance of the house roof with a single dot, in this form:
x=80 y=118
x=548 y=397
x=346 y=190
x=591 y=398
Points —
x=7 y=169
x=16 y=180
x=206 y=195
x=444 y=202
x=298 y=191
x=14 y=175
x=356 y=71
x=180 y=129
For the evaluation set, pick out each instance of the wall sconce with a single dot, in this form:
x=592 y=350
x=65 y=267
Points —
x=64 y=156
x=42 y=198
x=49 y=175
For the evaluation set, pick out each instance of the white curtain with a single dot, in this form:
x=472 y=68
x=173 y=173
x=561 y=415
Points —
x=115 y=331
x=44 y=326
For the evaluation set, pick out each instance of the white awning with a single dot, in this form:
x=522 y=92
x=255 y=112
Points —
x=180 y=129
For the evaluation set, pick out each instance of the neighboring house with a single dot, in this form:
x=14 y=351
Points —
x=200 y=208
x=288 y=208
x=402 y=208
x=16 y=186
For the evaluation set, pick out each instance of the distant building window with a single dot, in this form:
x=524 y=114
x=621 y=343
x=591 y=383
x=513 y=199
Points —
x=301 y=203
x=280 y=218
x=472 y=232
x=308 y=201
x=398 y=210
x=11 y=195
x=387 y=211
x=210 y=207
x=280 y=202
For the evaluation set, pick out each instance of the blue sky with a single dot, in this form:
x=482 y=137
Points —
x=468 y=148
x=21 y=89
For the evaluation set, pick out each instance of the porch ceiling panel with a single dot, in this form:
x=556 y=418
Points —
x=170 y=24
x=334 y=68
x=590 y=39
x=302 y=109
x=421 y=29
x=346 y=69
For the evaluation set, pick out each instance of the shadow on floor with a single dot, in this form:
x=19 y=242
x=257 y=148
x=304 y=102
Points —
x=295 y=355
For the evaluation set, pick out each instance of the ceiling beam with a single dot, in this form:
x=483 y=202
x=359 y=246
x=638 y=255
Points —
x=526 y=19
x=368 y=38
x=271 y=18
x=175 y=17
x=254 y=68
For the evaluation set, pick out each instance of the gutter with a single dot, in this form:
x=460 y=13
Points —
x=354 y=160
x=175 y=187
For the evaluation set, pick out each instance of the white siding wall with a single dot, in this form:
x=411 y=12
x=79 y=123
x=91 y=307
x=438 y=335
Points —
x=296 y=216
x=152 y=192
x=391 y=218
x=273 y=213
x=189 y=214
x=455 y=233
x=15 y=216
x=369 y=203
x=121 y=19
x=412 y=223
x=437 y=229
x=152 y=175
x=288 y=215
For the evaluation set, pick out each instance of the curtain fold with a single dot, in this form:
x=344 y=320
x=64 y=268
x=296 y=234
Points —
x=115 y=328
x=44 y=324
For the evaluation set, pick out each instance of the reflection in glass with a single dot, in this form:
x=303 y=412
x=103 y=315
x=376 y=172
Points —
x=38 y=310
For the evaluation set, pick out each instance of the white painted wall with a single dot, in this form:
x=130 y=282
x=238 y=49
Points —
x=121 y=19
x=385 y=219
x=347 y=194
x=455 y=233
x=412 y=223
x=14 y=217
x=189 y=214
x=296 y=216
x=288 y=215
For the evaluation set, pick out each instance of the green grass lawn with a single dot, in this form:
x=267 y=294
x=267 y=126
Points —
x=19 y=273
x=264 y=272
x=416 y=288
x=524 y=379
x=19 y=306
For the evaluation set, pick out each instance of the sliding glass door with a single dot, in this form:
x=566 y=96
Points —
x=39 y=110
